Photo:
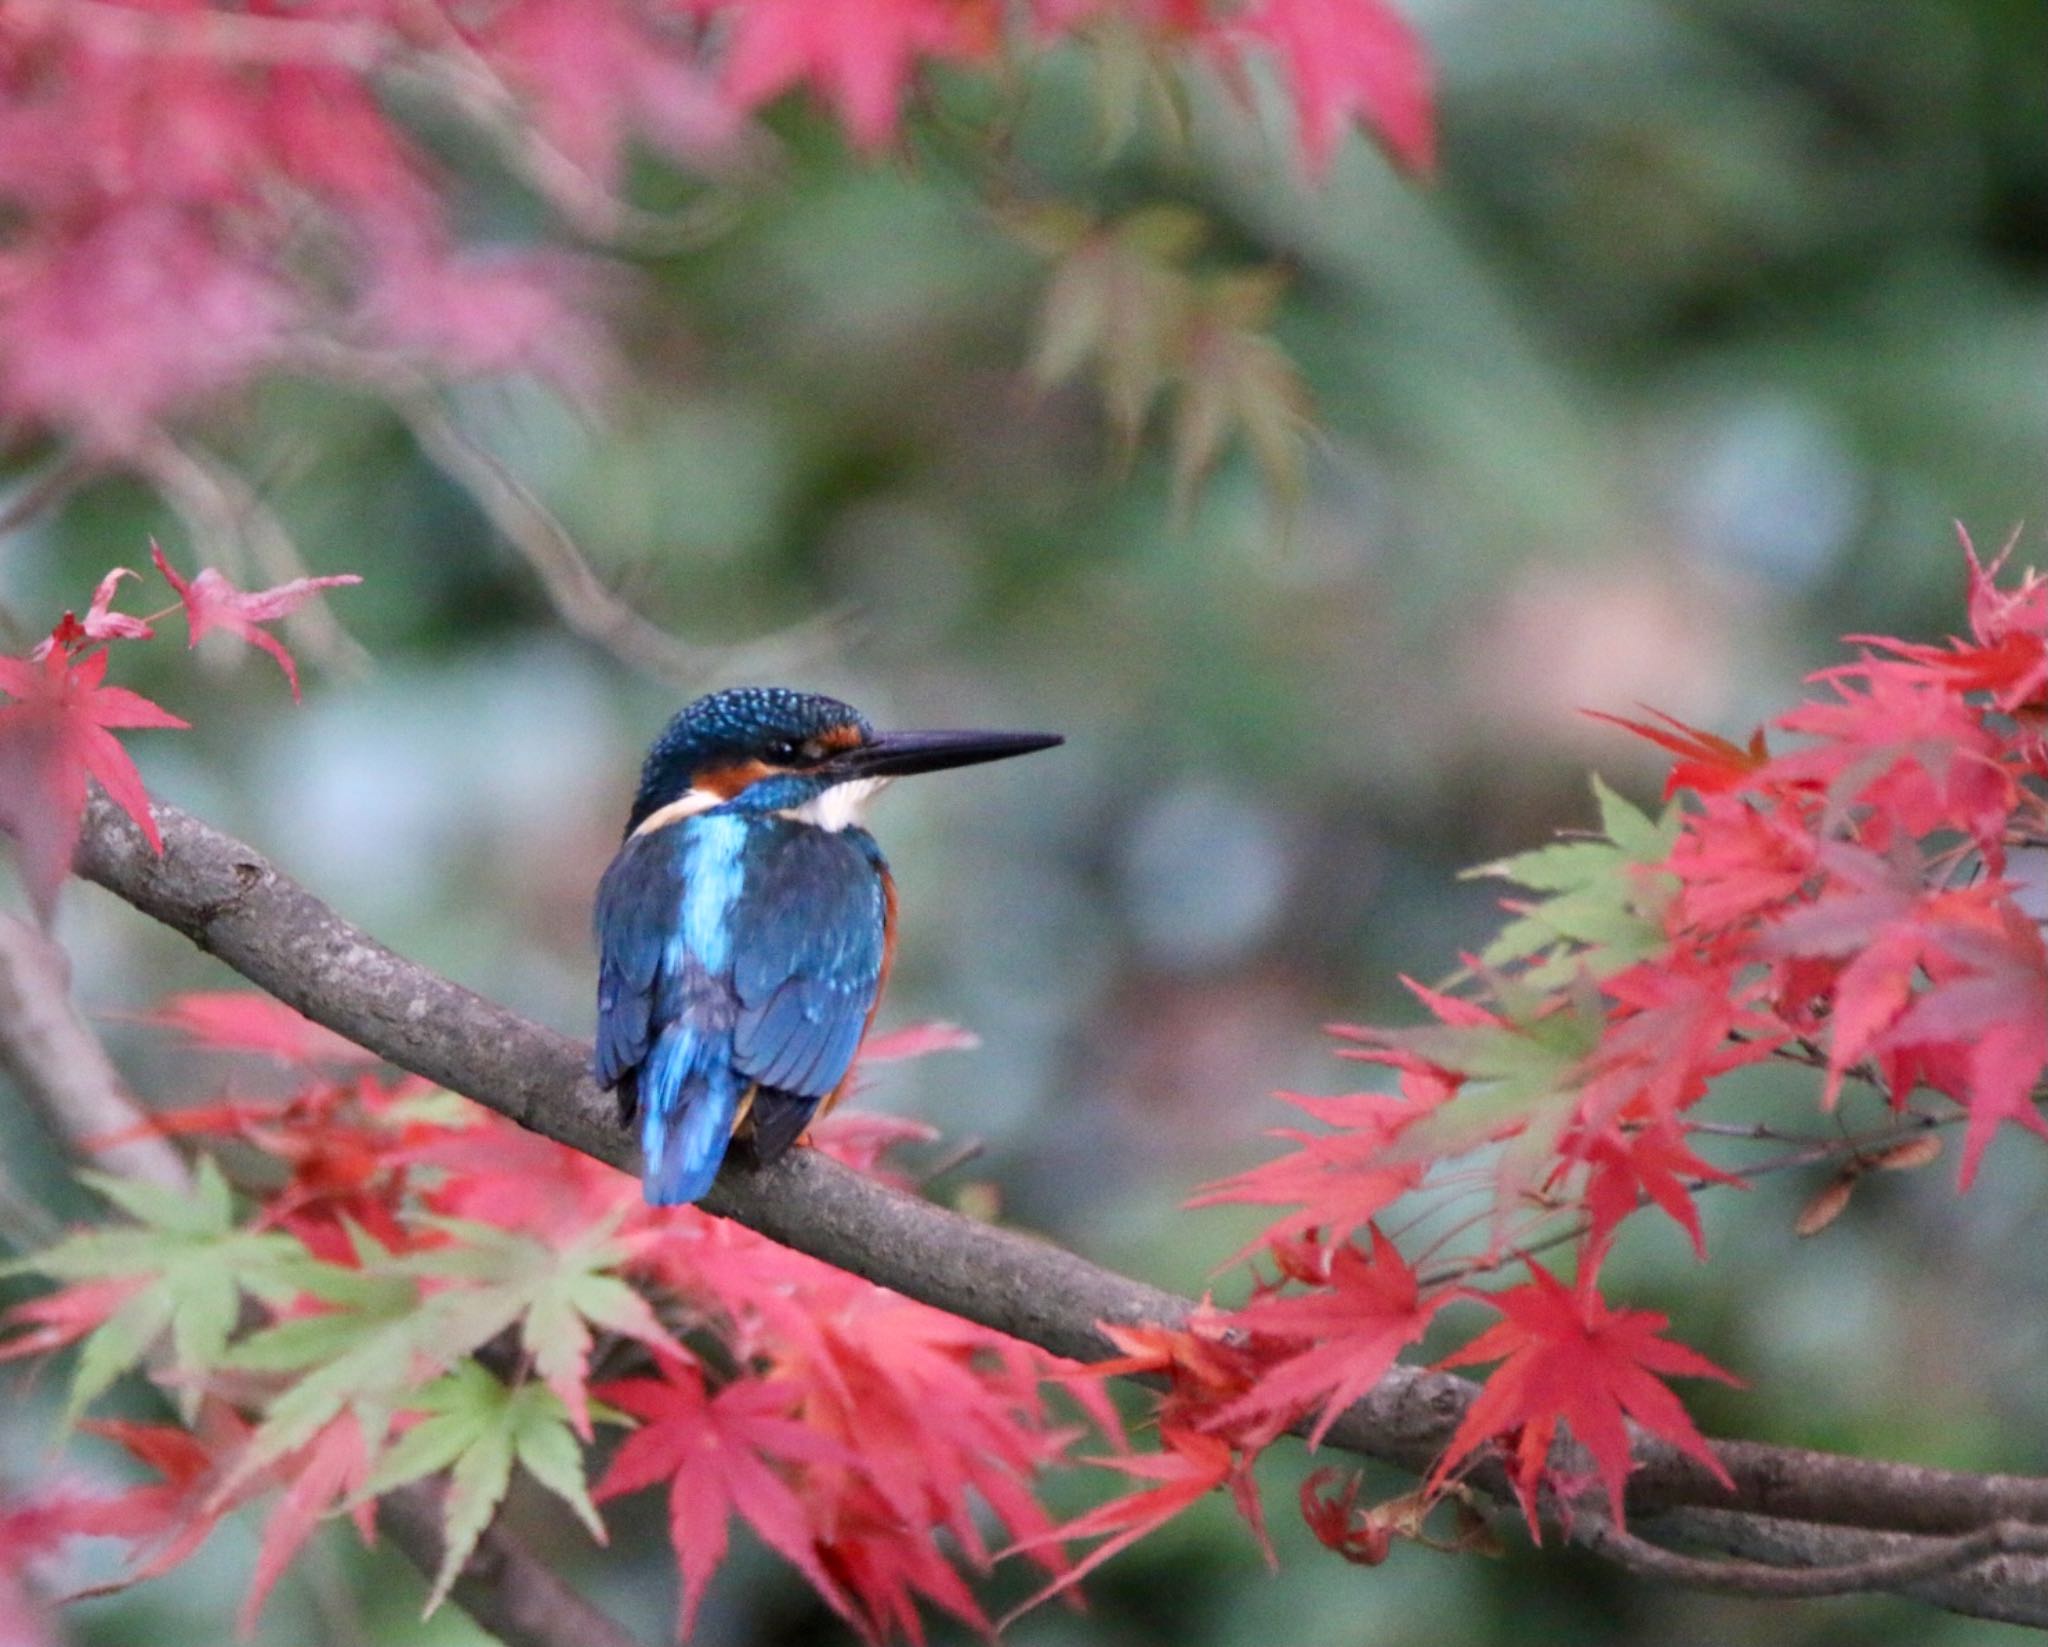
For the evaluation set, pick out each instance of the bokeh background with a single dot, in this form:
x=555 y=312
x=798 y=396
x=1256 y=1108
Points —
x=1718 y=314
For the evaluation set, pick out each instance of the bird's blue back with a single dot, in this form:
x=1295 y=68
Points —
x=739 y=951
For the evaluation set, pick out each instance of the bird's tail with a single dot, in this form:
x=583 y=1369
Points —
x=689 y=1093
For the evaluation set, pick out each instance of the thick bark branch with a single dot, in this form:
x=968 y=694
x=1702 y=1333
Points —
x=1902 y=1522
x=58 y=1065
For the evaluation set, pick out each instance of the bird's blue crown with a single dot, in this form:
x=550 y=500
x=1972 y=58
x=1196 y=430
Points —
x=772 y=724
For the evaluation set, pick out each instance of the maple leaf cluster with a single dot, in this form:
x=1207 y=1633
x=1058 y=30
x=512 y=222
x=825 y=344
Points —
x=403 y=1284
x=58 y=729
x=241 y=168
x=1847 y=891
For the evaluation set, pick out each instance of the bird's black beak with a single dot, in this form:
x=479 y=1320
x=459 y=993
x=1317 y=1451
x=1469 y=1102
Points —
x=899 y=754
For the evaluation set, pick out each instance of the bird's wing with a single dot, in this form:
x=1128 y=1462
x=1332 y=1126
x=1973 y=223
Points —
x=809 y=945
x=654 y=966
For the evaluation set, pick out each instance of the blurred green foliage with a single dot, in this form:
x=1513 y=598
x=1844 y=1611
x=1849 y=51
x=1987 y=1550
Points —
x=1718 y=314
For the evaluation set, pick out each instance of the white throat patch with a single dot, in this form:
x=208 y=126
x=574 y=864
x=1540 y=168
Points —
x=692 y=802
x=841 y=807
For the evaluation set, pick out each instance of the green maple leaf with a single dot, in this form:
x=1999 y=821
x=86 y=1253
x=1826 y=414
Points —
x=368 y=1350
x=193 y=1266
x=476 y=1428
x=1522 y=1071
x=394 y=1323
x=1126 y=301
x=1235 y=378
x=1603 y=903
x=554 y=1294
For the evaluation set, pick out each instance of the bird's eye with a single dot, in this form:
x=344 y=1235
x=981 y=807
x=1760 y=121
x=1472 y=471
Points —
x=782 y=752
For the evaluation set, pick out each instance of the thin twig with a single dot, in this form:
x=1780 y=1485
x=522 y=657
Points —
x=582 y=599
x=221 y=509
x=46 y=491
x=1928 y=1558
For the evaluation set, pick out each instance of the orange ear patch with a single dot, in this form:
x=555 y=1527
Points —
x=727 y=781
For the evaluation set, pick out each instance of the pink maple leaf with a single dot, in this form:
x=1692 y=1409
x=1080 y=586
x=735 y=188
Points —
x=107 y=327
x=595 y=73
x=1348 y=62
x=52 y=738
x=856 y=54
x=1988 y=1006
x=918 y=1040
x=212 y=602
x=101 y=622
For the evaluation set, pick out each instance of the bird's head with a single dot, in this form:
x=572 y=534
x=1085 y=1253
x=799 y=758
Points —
x=772 y=750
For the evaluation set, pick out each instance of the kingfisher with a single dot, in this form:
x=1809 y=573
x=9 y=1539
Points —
x=746 y=927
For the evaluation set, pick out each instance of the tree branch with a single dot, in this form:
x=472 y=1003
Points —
x=227 y=899
x=64 y=1074
x=1912 y=1561
x=60 y=1069
x=580 y=597
x=504 y=1586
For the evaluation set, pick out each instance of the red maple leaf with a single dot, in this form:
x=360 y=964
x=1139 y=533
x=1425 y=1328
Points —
x=1988 y=1007
x=1202 y=1366
x=1643 y=1160
x=1707 y=763
x=346 y=1153
x=29 y=1532
x=595 y=73
x=1918 y=754
x=1876 y=924
x=1189 y=1467
x=331 y=1468
x=1675 y=1025
x=1346 y=1335
x=1347 y=61
x=52 y=738
x=887 y=1568
x=168 y=1519
x=722 y=1455
x=2010 y=659
x=1341 y=1180
x=1736 y=860
x=1570 y=1357
x=944 y=1427
x=211 y=602
x=41 y=1325
x=1934 y=983
x=862 y=1140
x=856 y=54
x=496 y=1173
x=240 y=1020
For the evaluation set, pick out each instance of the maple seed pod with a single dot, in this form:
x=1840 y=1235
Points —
x=1914 y=1152
x=1828 y=1205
